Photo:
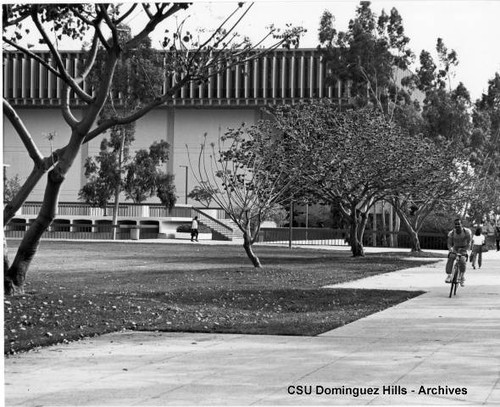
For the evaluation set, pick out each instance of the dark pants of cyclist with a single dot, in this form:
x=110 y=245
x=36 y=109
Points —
x=451 y=260
x=498 y=245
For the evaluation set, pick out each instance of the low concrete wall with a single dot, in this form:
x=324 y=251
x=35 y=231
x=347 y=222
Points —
x=187 y=236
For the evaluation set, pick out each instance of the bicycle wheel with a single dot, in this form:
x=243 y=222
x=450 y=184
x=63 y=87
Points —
x=454 y=280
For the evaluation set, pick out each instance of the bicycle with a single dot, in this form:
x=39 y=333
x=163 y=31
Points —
x=455 y=274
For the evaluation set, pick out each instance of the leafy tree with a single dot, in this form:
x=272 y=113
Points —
x=485 y=153
x=165 y=190
x=201 y=195
x=104 y=172
x=372 y=57
x=350 y=159
x=244 y=175
x=445 y=124
x=484 y=199
x=11 y=187
x=143 y=176
x=441 y=181
x=189 y=58
x=114 y=171
x=447 y=112
x=445 y=109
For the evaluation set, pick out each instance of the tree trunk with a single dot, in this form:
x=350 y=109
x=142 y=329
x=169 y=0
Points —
x=15 y=276
x=247 y=244
x=397 y=227
x=414 y=240
x=357 y=249
x=6 y=262
x=408 y=227
x=384 y=226
x=115 y=213
x=118 y=187
x=356 y=237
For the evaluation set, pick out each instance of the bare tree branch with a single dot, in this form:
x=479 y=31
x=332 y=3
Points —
x=153 y=23
x=126 y=14
x=65 y=107
x=63 y=74
x=23 y=133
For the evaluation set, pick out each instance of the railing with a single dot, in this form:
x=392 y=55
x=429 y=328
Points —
x=78 y=231
x=299 y=236
x=96 y=224
x=427 y=240
x=217 y=222
x=128 y=210
x=304 y=236
x=339 y=237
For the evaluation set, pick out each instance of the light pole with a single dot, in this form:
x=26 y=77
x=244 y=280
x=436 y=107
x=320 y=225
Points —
x=5 y=166
x=186 y=195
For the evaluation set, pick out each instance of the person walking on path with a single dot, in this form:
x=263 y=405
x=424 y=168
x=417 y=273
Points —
x=459 y=241
x=497 y=235
x=194 y=229
x=478 y=242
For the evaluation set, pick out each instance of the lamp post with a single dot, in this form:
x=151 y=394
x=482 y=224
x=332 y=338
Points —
x=5 y=166
x=186 y=194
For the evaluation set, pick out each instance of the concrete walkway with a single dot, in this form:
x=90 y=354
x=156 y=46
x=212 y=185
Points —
x=431 y=350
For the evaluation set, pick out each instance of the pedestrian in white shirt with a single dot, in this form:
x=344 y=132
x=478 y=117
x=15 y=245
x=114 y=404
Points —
x=194 y=229
x=478 y=242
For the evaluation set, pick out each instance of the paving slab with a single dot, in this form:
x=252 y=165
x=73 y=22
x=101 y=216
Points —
x=430 y=350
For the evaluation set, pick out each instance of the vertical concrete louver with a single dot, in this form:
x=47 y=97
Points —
x=282 y=76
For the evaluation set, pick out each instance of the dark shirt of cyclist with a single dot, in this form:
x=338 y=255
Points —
x=459 y=240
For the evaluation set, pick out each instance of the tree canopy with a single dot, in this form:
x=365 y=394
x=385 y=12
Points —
x=350 y=159
x=372 y=56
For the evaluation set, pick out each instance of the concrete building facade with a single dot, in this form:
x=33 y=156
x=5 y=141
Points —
x=227 y=100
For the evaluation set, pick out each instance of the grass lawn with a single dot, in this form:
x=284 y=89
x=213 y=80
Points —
x=81 y=289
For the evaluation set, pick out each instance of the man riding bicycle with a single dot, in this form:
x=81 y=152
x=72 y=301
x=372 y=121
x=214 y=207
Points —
x=459 y=241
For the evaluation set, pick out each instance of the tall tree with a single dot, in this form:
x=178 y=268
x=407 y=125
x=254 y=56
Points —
x=104 y=172
x=115 y=171
x=445 y=123
x=144 y=177
x=446 y=108
x=371 y=57
x=190 y=59
x=485 y=153
x=165 y=190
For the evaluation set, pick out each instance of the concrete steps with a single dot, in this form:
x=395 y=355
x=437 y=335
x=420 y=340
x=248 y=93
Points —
x=222 y=229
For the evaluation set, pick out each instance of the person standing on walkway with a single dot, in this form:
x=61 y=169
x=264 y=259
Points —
x=459 y=241
x=497 y=235
x=194 y=229
x=478 y=242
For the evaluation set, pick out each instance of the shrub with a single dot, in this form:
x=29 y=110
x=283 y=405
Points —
x=187 y=229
